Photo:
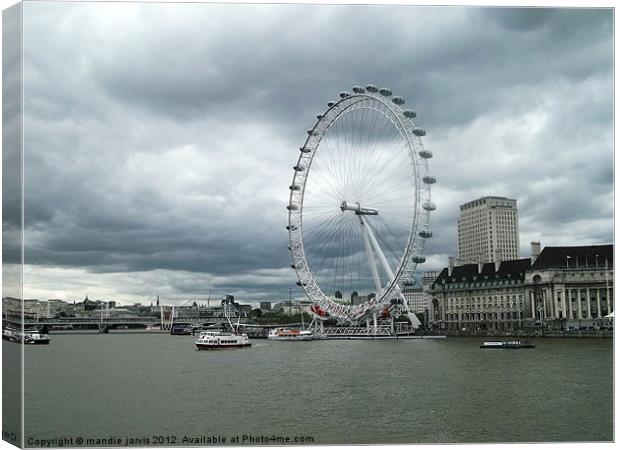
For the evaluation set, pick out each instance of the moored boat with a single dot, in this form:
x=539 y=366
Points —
x=30 y=337
x=289 y=334
x=36 y=338
x=181 y=329
x=506 y=344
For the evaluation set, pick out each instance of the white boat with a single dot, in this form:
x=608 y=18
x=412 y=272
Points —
x=30 y=337
x=36 y=338
x=288 y=334
x=213 y=340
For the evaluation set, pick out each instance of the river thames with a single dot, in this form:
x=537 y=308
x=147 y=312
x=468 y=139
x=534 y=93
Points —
x=147 y=386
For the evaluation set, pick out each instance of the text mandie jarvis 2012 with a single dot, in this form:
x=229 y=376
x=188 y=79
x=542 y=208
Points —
x=166 y=440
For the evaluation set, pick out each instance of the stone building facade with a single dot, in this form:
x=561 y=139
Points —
x=571 y=287
x=559 y=288
x=483 y=296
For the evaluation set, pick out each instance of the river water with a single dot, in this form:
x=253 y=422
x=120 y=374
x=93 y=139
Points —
x=156 y=388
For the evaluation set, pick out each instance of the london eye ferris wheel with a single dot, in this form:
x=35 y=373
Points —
x=359 y=207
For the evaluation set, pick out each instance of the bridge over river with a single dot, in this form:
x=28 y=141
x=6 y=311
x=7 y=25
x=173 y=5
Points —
x=108 y=323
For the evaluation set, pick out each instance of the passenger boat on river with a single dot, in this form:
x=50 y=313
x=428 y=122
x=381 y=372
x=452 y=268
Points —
x=506 y=344
x=289 y=334
x=213 y=340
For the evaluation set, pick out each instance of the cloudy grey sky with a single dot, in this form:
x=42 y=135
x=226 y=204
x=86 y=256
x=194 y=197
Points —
x=159 y=138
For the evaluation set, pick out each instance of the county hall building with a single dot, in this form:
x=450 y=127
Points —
x=558 y=288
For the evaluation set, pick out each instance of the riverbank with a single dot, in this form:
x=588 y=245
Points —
x=531 y=333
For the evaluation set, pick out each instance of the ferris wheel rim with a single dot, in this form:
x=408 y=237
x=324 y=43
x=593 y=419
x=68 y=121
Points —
x=405 y=126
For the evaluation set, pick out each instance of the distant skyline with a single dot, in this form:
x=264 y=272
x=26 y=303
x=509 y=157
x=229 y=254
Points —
x=160 y=138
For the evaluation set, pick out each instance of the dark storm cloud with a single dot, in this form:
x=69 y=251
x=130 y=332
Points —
x=11 y=104
x=160 y=137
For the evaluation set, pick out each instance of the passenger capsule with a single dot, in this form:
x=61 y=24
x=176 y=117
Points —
x=291 y=227
x=319 y=117
x=419 y=132
x=426 y=154
x=330 y=104
x=418 y=259
x=372 y=88
x=358 y=89
x=425 y=234
x=293 y=187
x=398 y=100
x=305 y=149
x=410 y=114
x=291 y=207
x=299 y=283
x=298 y=168
x=312 y=132
x=385 y=92
x=293 y=266
x=344 y=94
x=289 y=247
x=429 y=206
x=429 y=179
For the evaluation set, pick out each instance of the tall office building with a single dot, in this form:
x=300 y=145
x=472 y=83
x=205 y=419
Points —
x=488 y=230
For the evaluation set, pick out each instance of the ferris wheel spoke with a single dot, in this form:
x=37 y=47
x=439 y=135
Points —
x=336 y=261
x=323 y=173
x=391 y=174
x=341 y=257
x=319 y=239
x=383 y=153
x=380 y=198
x=310 y=229
x=332 y=155
x=402 y=219
x=387 y=167
x=388 y=192
x=338 y=156
x=326 y=258
x=380 y=142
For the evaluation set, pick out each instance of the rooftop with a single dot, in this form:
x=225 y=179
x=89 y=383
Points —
x=482 y=200
x=512 y=270
x=575 y=257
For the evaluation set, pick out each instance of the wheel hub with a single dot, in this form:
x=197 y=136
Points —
x=348 y=206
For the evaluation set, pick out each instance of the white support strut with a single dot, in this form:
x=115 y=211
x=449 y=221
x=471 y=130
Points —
x=370 y=256
x=415 y=322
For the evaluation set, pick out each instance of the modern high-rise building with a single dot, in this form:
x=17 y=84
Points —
x=488 y=230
